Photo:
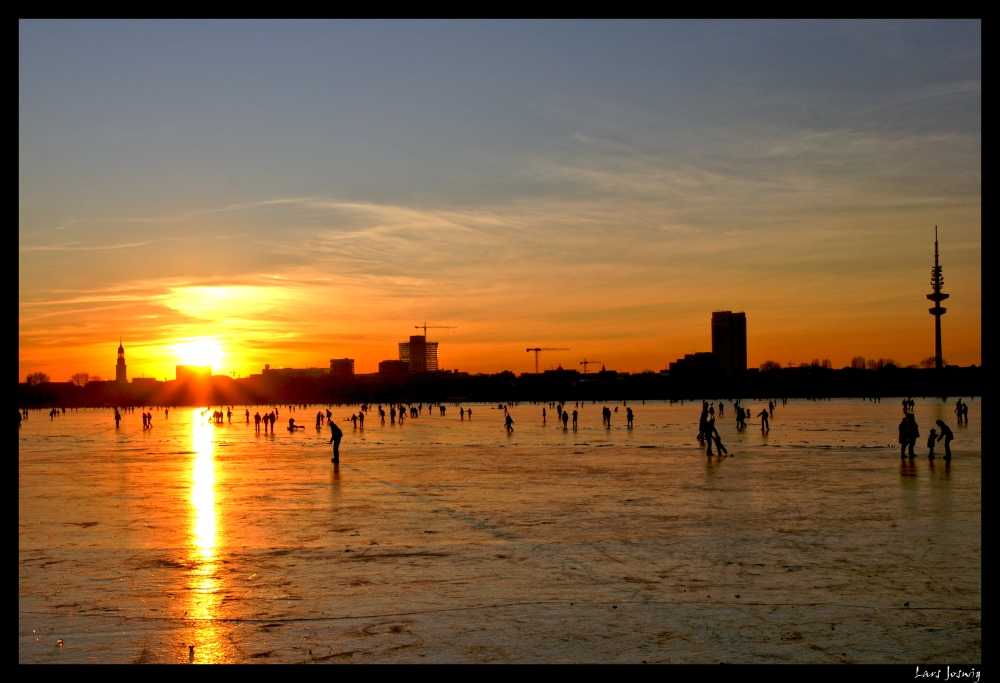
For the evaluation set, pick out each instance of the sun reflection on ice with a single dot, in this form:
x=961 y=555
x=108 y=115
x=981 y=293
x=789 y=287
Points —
x=203 y=487
x=204 y=593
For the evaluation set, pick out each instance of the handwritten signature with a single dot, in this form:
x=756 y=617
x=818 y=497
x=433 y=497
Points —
x=949 y=673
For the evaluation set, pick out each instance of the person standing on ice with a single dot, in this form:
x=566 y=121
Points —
x=764 y=426
x=335 y=436
x=947 y=436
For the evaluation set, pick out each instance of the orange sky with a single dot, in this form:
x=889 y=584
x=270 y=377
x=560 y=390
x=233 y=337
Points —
x=569 y=193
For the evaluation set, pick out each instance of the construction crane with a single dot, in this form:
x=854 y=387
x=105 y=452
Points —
x=425 y=327
x=539 y=349
x=586 y=362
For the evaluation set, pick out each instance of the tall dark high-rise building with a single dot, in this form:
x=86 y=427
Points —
x=342 y=367
x=729 y=340
x=937 y=282
x=120 y=368
x=421 y=354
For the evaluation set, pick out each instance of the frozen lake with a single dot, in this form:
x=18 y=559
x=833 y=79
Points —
x=446 y=540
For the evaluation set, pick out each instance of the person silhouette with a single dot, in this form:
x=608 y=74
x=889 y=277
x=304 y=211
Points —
x=912 y=433
x=229 y=415
x=711 y=433
x=461 y=414
x=248 y=415
x=319 y=420
x=256 y=422
x=354 y=421
x=965 y=413
x=335 y=436
x=543 y=415
x=118 y=418
x=764 y=426
x=720 y=449
x=947 y=435
x=904 y=436
x=711 y=412
x=565 y=418
x=576 y=416
x=469 y=413
x=629 y=416
x=770 y=408
x=508 y=422
x=722 y=409
x=930 y=444
x=361 y=418
x=392 y=415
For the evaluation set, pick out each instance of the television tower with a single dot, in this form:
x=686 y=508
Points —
x=937 y=282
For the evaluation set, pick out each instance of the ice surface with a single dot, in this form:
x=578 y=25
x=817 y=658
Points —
x=449 y=541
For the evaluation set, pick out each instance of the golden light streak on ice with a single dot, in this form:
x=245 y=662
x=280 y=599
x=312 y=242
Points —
x=205 y=588
x=203 y=486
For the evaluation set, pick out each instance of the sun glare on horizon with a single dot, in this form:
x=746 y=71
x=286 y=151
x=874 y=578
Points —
x=199 y=352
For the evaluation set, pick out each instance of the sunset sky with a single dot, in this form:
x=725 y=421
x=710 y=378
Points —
x=289 y=192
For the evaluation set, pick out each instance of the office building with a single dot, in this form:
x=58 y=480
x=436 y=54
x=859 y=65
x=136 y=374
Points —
x=342 y=367
x=420 y=354
x=389 y=368
x=729 y=341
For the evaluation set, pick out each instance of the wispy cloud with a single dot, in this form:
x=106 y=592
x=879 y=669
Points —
x=77 y=246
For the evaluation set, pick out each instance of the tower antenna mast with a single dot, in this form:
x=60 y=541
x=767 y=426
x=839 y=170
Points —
x=937 y=283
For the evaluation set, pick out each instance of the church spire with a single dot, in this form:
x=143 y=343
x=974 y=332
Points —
x=120 y=368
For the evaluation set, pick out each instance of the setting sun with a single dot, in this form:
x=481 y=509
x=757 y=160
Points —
x=199 y=352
